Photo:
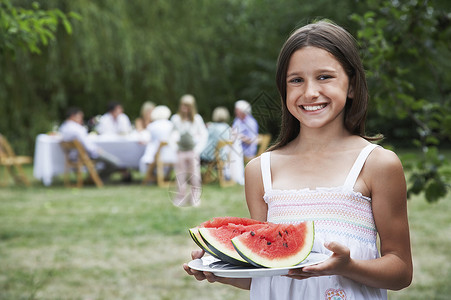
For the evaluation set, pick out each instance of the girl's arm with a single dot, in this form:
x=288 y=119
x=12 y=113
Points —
x=254 y=191
x=384 y=176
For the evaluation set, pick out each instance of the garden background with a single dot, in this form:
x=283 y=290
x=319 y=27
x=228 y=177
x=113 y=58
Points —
x=126 y=242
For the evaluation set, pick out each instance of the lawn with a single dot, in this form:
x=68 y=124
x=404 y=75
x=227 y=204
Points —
x=129 y=242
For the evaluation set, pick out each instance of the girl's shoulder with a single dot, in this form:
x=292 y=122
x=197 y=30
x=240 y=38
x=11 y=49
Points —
x=383 y=167
x=254 y=162
x=382 y=159
x=253 y=174
x=253 y=167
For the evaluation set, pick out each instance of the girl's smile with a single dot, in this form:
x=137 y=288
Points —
x=313 y=107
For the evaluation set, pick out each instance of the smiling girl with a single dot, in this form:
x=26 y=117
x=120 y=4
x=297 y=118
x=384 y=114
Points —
x=324 y=168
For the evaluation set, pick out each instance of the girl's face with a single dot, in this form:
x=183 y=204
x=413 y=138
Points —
x=317 y=88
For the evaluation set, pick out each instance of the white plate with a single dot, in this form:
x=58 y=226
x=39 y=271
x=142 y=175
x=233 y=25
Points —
x=223 y=269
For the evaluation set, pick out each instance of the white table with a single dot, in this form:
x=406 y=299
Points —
x=49 y=157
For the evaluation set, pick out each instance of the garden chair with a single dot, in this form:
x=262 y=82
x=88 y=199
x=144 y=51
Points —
x=78 y=163
x=263 y=141
x=12 y=163
x=160 y=171
x=218 y=165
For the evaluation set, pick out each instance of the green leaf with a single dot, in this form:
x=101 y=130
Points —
x=435 y=190
x=67 y=26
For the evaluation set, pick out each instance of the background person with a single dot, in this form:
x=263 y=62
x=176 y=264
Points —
x=246 y=128
x=191 y=136
x=73 y=129
x=144 y=118
x=218 y=130
x=114 y=121
x=160 y=130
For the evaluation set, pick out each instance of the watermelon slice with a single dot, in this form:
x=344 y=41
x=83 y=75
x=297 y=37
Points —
x=195 y=235
x=276 y=245
x=216 y=223
x=219 y=241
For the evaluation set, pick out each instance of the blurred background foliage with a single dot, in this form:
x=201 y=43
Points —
x=60 y=53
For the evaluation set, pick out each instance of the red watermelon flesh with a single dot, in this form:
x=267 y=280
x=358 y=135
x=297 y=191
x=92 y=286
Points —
x=216 y=223
x=221 y=221
x=219 y=241
x=276 y=245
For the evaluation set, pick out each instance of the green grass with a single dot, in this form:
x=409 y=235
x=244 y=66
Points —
x=129 y=242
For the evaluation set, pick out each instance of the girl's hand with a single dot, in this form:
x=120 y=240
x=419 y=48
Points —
x=334 y=265
x=242 y=283
x=199 y=275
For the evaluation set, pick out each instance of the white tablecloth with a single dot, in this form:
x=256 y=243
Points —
x=49 y=157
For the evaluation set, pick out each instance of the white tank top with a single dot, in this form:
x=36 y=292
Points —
x=340 y=214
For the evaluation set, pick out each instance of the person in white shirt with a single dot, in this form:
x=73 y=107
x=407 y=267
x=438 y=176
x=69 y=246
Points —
x=115 y=121
x=73 y=129
x=191 y=136
x=160 y=130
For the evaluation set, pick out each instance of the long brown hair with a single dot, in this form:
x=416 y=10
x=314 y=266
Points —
x=342 y=45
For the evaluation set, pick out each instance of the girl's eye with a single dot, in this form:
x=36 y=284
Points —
x=295 y=80
x=324 y=77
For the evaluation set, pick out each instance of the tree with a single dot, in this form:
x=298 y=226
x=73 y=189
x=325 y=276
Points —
x=406 y=49
x=23 y=34
x=29 y=28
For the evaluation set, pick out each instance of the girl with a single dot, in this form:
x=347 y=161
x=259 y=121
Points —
x=323 y=168
x=191 y=135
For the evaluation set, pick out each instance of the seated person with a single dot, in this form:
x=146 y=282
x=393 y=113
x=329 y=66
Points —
x=145 y=116
x=114 y=122
x=160 y=131
x=218 y=130
x=73 y=129
x=246 y=128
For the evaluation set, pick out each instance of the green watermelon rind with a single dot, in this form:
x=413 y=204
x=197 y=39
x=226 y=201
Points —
x=260 y=262
x=231 y=257
x=195 y=235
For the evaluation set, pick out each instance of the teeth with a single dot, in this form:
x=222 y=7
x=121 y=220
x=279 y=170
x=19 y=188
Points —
x=314 y=107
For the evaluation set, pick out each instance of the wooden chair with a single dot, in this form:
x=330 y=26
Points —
x=263 y=141
x=218 y=164
x=13 y=163
x=159 y=171
x=79 y=164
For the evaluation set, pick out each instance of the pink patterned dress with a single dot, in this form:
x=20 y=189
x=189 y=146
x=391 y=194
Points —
x=340 y=214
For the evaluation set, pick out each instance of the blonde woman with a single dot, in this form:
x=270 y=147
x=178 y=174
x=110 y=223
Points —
x=191 y=136
x=145 y=116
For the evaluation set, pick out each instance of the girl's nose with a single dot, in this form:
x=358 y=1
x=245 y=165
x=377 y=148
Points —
x=311 y=90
